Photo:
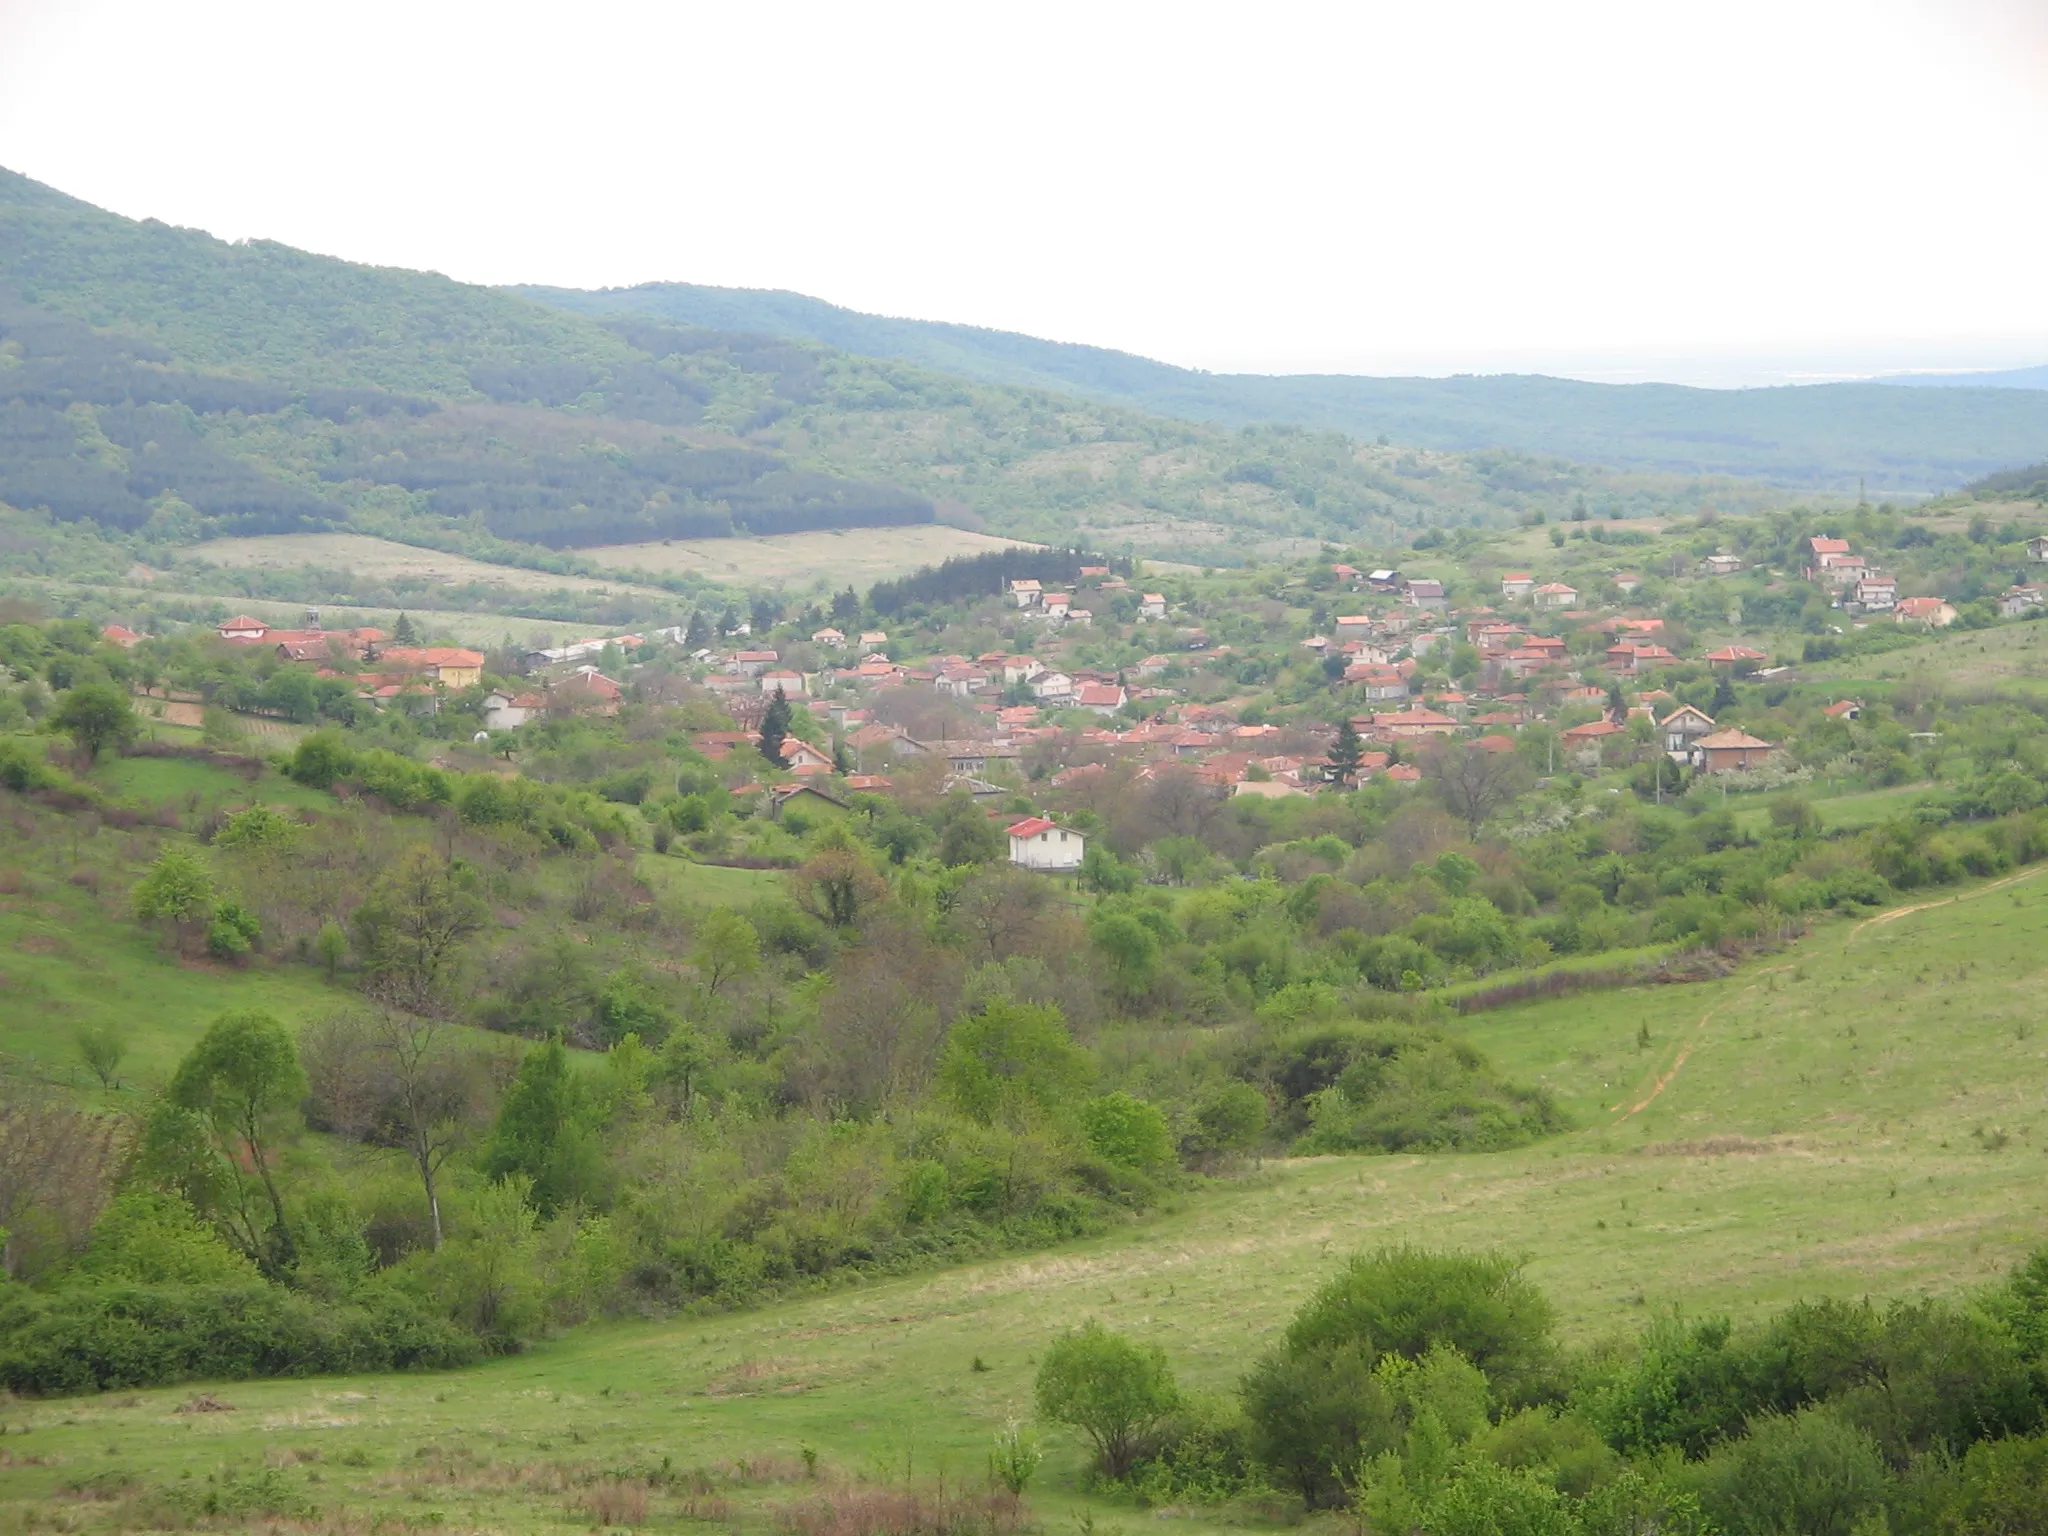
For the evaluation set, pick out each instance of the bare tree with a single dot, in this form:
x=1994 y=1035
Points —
x=1473 y=782
x=57 y=1170
x=402 y=1080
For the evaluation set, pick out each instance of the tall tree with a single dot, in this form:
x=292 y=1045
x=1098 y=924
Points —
x=412 y=927
x=239 y=1080
x=1346 y=753
x=96 y=716
x=775 y=728
x=1474 y=782
x=403 y=633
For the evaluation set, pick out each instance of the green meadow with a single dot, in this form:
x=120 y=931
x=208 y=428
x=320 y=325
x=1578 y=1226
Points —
x=1864 y=1113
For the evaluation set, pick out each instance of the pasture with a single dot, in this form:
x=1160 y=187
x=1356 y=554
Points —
x=1862 y=1113
x=832 y=559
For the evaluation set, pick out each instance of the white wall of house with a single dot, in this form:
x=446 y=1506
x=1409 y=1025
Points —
x=1055 y=848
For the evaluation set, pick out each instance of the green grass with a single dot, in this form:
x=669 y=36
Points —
x=2012 y=657
x=1861 y=1114
x=1841 y=813
x=191 y=784
x=706 y=885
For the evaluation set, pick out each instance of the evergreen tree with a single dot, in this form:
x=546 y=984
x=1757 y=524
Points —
x=402 y=633
x=845 y=606
x=775 y=728
x=543 y=1130
x=729 y=620
x=1346 y=753
x=764 y=614
x=699 y=633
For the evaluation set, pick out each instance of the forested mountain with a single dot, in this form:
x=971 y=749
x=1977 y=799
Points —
x=1812 y=436
x=173 y=386
x=2001 y=378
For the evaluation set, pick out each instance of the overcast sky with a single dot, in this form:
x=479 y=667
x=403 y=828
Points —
x=1703 y=190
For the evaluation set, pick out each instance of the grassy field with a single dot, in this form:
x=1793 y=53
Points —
x=706 y=885
x=2010 y=656
x=1840 y=813
x=1862 y=1114
x=382 y=559
x=837 y=558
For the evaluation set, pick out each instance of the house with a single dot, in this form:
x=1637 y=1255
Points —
x=2037 y=549
x=1731 y=751
x=1385 y=581
x=1555 y=594
x=1875 y=593
x=828 y=637
x=1152 y=666
x=244 y=628
x=1100 y=698
x=588 y=691
x=1424 y=593
x=1517 y=584
x=1080 y=617
x=1841 y=571
x=1036 y=843
x=1587 y=741
x=121 y=635
x=1026 y=593
x=2016 y=601
x=782 y=680
x=1626 y=582
x=1152 y=606
x=505 y=711
x=754 y=663
x=869 y=783
x=960 y=681
x=1820 y=549
x=1408 y=724
x=870 y=638
x=449 y=665
x=807 y=799
x=1052 y=688
x=1093 y=572
x=1931 y=611
x=801 y=754
x=1721 y=565
x=1845 y=709
x=1681 y=728
x=1494 y=639
x=1630 y=657
x=1735 y=658
x=1054 y=605
x=1381 y=685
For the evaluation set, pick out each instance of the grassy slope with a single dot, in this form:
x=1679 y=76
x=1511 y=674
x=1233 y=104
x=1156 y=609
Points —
x=1816 y=1132
x=1828 y=435
x=2011 y=656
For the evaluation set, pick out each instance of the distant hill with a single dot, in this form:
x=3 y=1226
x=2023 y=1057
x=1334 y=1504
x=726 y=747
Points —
x=1813 y=436
x=2002 y=378
x=171 y=386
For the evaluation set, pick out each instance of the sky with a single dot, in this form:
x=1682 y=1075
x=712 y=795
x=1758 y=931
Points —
x=1705 y=191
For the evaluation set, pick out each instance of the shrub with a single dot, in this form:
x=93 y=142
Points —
x=1127 y=1131
x=1405 y=1300
x=1803 y=1474
x=117 y=1336
x=1315 y=1413
x=1114 y=1391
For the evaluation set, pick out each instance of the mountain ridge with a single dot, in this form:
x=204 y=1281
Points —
x=1820 y=436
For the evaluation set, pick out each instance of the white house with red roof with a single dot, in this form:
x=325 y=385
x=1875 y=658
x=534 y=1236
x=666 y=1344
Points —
x=1517 y=584
x=1036 y=843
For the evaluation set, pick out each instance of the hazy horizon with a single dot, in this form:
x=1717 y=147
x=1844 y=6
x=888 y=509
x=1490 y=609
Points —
x=1745 y=193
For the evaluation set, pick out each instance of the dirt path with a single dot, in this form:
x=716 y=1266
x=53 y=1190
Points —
x=1921 y=906
x=1666 y=1078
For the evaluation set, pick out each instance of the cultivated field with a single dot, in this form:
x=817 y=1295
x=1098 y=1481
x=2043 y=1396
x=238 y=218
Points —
x=373 y=559
x=859 y=557
x=1861 y=1114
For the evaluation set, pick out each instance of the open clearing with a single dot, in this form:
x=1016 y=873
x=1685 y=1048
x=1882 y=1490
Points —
x=373 y=559
x=835 y=558
x=2010 y=656
x=1861 y=1114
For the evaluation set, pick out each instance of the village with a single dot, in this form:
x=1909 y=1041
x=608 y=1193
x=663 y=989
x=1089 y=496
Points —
x=1372 y=674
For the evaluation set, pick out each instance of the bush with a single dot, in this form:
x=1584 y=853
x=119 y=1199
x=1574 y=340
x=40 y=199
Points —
x=1803 y=1474
x=1127 y=1131
x=1317 y=1412
x=119 y=1336
x=1114 y=1391
x=1405 y=1300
